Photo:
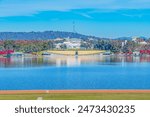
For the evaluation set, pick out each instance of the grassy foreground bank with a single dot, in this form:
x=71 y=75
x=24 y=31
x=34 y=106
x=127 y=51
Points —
x=72 y=52
x=78 y=96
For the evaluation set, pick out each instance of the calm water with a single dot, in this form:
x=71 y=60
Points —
x=85 y=72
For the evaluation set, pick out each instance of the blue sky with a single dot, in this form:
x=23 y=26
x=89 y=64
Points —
x=103 y=18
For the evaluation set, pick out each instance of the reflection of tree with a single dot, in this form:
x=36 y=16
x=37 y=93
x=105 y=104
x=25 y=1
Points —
x=5 y=62
x=70 y=61
x=144 y=59
x=39 y=60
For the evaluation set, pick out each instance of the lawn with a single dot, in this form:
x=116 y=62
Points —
x=72 y=52
x=79 y=96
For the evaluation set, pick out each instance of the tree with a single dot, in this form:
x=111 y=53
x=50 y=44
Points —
x=8 y=44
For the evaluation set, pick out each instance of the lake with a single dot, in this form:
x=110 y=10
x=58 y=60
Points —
x=69 y=72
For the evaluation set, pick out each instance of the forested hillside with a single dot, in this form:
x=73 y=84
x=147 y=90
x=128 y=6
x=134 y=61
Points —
x=41 y=35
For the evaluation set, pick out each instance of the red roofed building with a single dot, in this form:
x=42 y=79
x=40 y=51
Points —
x=3 y=52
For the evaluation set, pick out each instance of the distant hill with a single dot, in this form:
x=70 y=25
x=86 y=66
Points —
x=42 y=35
x=130 y=38
x=124 y=38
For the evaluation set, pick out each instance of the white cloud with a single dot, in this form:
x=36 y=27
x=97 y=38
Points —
x=129 y=15
x=86 y=15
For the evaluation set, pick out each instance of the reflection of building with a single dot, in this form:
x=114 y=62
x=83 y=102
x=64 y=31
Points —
x=68 y=61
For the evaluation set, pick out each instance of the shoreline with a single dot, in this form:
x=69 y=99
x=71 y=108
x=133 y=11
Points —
x=7 y=92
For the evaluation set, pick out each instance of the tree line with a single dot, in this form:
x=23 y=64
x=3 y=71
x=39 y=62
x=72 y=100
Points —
x=26 y=45
x=29 y=46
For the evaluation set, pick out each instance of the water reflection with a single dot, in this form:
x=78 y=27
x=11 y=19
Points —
x=68 y=60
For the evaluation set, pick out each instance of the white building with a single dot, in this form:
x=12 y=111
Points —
x=58 y=39
x=136 y=53
x=73 y=43
x=124 y=43
x=135 y=39
x=139 y=41
x=70 y=43
x=143 y=43
x=58 y=45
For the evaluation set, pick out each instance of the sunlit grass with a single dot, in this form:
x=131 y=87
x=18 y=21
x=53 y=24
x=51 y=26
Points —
x=72 y=52
x=79 y=96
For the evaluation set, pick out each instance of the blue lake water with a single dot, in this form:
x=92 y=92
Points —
x=85 y=72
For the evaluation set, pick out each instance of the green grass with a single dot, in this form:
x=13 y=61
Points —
x=79 y=96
